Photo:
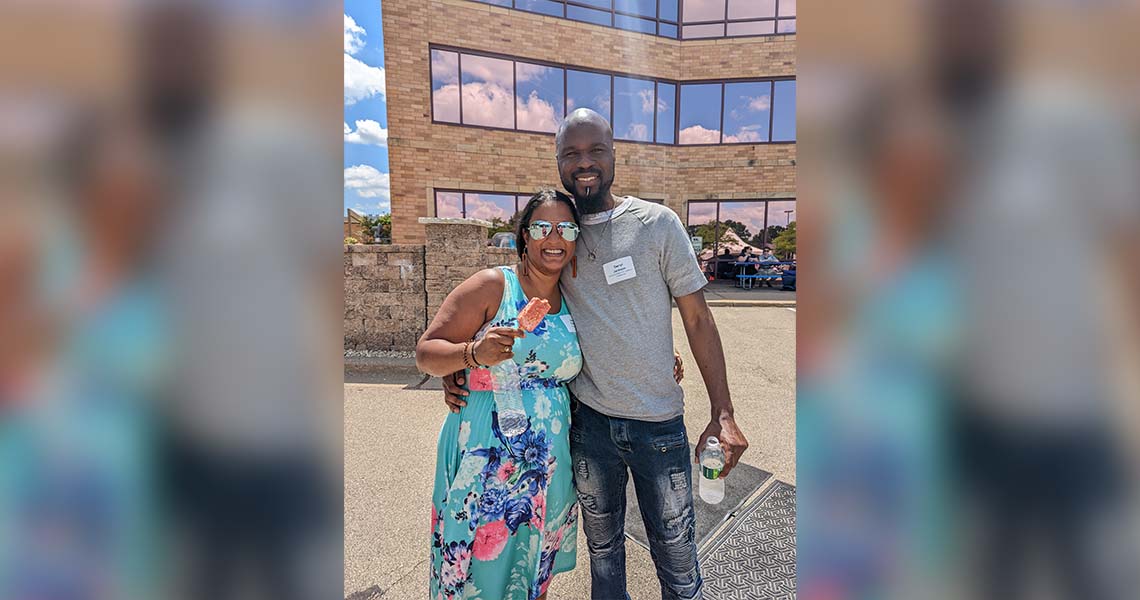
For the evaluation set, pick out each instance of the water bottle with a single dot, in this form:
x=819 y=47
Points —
x=712 y=463
x=508 y=398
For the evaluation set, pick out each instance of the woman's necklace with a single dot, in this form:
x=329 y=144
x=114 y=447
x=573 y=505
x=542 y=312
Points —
x=593 y=253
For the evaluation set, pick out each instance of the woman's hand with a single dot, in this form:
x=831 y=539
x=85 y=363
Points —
x=495 y=347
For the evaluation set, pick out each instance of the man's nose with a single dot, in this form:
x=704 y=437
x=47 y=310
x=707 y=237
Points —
x=585 y=163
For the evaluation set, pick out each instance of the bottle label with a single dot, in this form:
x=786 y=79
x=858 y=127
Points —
x=710 y=473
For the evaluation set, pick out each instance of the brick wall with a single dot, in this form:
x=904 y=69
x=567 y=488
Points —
x=424 y=156
x=392 y=291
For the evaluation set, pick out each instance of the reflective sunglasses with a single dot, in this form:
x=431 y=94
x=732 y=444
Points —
x=540 y=229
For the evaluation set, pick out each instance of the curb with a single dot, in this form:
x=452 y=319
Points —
x=768 y=303
x=366 y=364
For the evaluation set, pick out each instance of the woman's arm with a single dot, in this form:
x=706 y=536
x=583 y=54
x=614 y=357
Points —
x=440 y=350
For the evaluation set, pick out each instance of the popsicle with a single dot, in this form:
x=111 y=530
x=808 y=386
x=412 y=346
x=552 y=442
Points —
x=531 y=314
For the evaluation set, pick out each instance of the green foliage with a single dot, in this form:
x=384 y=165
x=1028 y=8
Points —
x=785 y=243
x=351 y=240
x=379 y=227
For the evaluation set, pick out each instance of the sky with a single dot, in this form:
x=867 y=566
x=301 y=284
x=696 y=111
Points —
x=366 y=183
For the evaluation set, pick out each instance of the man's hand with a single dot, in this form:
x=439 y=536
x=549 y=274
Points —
x=731 y=441
x=678 y=366
x=453 y=394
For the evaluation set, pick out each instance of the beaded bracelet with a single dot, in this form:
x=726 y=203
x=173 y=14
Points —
x=467 y=361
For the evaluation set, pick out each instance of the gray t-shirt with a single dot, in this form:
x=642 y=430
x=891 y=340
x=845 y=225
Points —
x=621 y=305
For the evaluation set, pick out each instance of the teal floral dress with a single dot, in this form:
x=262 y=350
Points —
x=504 y=514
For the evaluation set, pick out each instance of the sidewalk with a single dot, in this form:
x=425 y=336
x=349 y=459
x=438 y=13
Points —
x=724 y=293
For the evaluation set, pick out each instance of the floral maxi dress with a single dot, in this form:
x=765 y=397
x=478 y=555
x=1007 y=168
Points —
x=504 y=513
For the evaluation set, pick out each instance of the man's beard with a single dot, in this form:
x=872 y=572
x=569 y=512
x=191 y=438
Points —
x=595 y=201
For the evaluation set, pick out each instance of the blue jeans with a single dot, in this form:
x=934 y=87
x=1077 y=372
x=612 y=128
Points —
x=605 y=450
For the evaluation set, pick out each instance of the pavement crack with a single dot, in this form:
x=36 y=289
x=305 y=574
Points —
x=376 y=592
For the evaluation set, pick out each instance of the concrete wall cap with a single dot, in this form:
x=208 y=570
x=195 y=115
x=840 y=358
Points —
x=452 y=221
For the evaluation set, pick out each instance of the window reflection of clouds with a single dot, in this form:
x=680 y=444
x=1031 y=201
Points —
x=666 y=97
x=787 y=8
x=445 y=85
x=490 y=206
x=488 y=95
x=588 y=90
x=703 y=10
x=751 y=28
x=540 y=99
x=448 y=205
x=633 y=109
x=645 y=8
x=746 y=107
x=700 y=114
x=545 y=7
x=750 y=213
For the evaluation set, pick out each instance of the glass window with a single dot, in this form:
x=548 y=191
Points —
x=751 y=28
x=490 y=207
x=784 y=115
x=700 y=114
x=667 y=30
x=588 y=90
x=506 y=3
x=697 y=11
x=781 y=213
x=635 y=24
x=666 y=97
x=787 y=26
x=746 y=110
x=633 y=109
x=445 y=86
x=644 y=8
x=540 y=103
x=787 y=8
x=751 y=9
x=545 y=7
x=606 y=4
x=696 y=32
x=668 y=10
x=449 y=205
x=702 y=223
x=588 y=15
x=488 y=91
x=743 y=220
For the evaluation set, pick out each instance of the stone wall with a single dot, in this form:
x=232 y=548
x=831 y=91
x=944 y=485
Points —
x=391 y=292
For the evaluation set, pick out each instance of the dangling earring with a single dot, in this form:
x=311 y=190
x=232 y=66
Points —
x=525 y=260
x=574 y=267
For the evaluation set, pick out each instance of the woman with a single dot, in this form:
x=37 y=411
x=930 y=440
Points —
x=504 y=517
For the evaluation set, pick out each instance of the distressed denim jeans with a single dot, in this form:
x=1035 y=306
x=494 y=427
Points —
x=606 y=451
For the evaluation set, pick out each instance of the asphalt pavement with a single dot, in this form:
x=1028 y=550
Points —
x=391 y=428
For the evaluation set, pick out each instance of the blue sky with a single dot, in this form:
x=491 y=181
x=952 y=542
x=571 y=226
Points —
x=366 y=188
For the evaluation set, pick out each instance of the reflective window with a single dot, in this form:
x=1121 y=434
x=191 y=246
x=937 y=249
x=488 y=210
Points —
x=697 y=11
x=787 y=8
x=635 y=24
x=545 y=7
x=787 y=26
x=445 y=85
x=633 y=109
x=540 y=104
x=606 y=4
x=488 y=91
x=667 y=30
x=743 y=223
x=588 y=90
x=449 y=205
x=700 y=114
x=489 y=207
x=668 y=10
x=751 y=28
x=589 y=15
x=666 y=98
x=694 y=32
x=751 y=9
x=727 y=227
x=746 y=111
x=784 y=117
x=644 y=8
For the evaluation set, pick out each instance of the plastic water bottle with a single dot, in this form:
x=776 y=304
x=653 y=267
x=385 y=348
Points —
x=712 y=463
x=508 y=398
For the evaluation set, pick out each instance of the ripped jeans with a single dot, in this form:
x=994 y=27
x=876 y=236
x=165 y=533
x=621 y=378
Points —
x=605 y=450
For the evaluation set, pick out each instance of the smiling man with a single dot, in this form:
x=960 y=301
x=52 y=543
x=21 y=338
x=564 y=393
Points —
x=634 y=260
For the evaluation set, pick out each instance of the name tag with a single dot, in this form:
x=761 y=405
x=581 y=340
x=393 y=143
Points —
x=568 y=321
x=619 y=270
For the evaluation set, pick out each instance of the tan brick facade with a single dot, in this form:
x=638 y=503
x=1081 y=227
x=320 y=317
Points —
x=424 y=156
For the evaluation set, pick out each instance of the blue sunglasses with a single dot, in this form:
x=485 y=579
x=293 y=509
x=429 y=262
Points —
x=540 y=229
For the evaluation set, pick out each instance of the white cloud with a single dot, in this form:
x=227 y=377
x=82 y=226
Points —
x=361 y=81
x=445 y=103
x=759 y=103
x=637 y=131
x=536 y=114
x=699 y=135
x=368 y=182
x=353 y=35
x=488 y=104
x=529 y=72
x=491 y=70
x=646 y=101
x=745 y=135
x=367 y=132
x=445 y=67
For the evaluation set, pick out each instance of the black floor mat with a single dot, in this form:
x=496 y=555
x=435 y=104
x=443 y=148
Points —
x=754 y=556
x=739 y=485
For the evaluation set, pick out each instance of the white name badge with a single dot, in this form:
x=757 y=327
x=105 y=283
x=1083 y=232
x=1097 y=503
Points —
x=568 y=321
x=619 y=270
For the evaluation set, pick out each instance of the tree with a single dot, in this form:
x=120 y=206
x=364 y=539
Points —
x=773 y=232
x=740 y=228
x=786 y=242
x=378 y=227
x=708 y=233
x=499 y=226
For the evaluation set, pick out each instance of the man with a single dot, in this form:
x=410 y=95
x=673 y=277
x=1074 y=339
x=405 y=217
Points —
x=767 y=258
x=634 y=260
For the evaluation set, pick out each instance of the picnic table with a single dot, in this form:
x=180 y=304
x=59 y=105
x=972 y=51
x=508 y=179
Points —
x=745 y=280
